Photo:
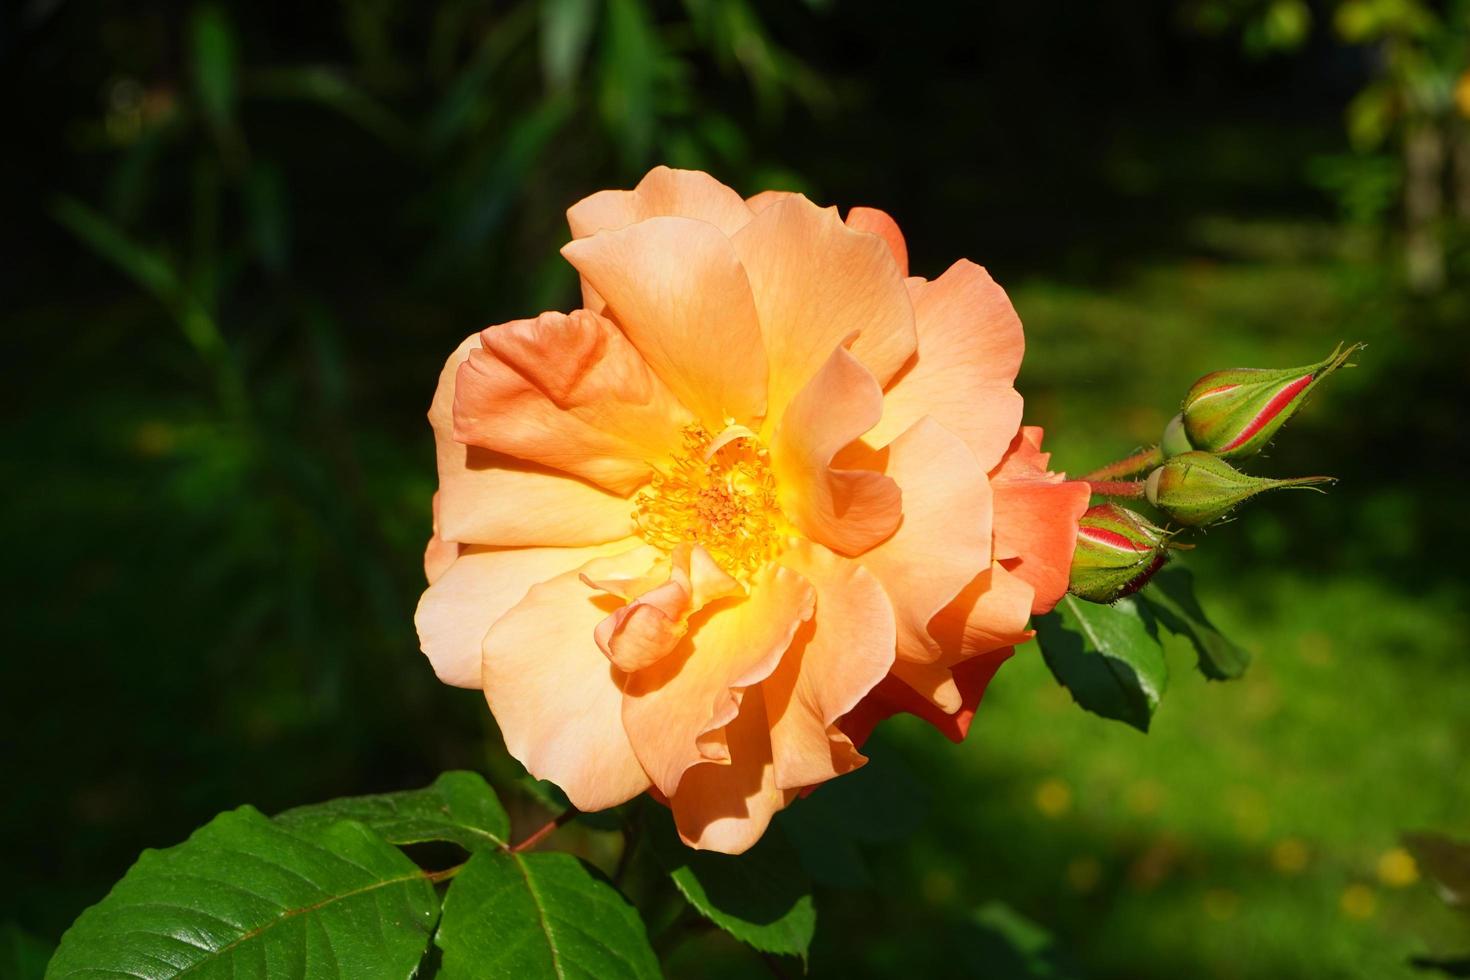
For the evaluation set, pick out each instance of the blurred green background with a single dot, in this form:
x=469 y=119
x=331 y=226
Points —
x=241 y=239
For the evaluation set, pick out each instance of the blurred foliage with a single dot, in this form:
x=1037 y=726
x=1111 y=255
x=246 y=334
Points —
x=246 y=236
x=1408 y=123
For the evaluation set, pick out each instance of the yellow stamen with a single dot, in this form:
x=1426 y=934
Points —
x=718 y=492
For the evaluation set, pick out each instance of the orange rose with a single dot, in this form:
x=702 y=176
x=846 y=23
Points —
x=682 y=533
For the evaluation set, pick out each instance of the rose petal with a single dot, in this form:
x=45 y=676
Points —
x=662 y=192
x=876 y=222
x=759 y=202
x=569 y=392
x=944 y=540
x=989 y=613
x=963 y=686
x=969 y=350
x=475 y=590
x=676 y=288
x=482 y=495
x=728 y=807
x=675 y=711
x=439 y=554
x=848 y=510
x=1036 y=515
x=649 y=628
x=557 y=699
x=838 y=657
x=816 y=282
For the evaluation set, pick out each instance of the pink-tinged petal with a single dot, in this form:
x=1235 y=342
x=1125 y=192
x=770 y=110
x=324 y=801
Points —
x=961 y=686
x=1036 y=515
x=970 y=347
x=943 y=542
x=838 y=657
x=728 y=807
x=880 y=223
x=479 y=587
x=676 y=288
x=483 y=496
x=651 y=625
x=569 y=392
x=676 y=710
x=816 y=284
x=663 y=192
x=848 y=510
x=439 y=554
x=557 y=699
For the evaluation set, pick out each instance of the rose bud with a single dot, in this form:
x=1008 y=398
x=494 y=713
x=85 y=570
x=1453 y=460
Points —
x=1117 y=552
x=1197 y=488
x=1235 y=413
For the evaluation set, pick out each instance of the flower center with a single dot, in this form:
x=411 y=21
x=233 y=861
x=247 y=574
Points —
x=718 y=492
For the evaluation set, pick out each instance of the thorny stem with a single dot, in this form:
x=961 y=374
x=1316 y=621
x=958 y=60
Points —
x=1128 y=466
x=544 y=831
x=1117 y=488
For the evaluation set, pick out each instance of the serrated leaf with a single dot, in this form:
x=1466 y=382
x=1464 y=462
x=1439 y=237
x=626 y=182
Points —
x=459 y=807
x=245 y=897
x=762 y=897
x=1109 y=657
x=540 y=915
x=1170 y=597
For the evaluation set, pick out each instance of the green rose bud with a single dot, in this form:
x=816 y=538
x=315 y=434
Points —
x=1198 y=488
x=1117 y=552
x=1235 y=413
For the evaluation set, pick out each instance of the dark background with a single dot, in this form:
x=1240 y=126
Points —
x=239 y=241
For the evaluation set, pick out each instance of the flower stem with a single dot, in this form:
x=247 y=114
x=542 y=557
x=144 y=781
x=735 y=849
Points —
x=1117 y=488
x=1128 y=466
x=544 y=831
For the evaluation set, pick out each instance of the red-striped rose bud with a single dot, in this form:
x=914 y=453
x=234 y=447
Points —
x=1117 y=552
x=1199 y=488
x=1235 y=413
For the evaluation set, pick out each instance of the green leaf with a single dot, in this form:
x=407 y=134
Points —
x=148 y=268
x=540 y=915
x=1108 y=657
x=246 y=897
x=459 y=807
x=328 y=88
x=214 y=65
x=998 y=941
x=566 y=27
x=626 y=92
x=1170 y=597
x=762 y=897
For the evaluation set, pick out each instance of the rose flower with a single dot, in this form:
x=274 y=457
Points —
x=763 y=490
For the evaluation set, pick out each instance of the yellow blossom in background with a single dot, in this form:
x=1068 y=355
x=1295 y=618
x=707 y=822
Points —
x=1358 y=902
x=1397 y=868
